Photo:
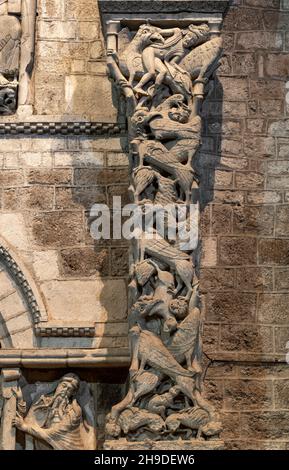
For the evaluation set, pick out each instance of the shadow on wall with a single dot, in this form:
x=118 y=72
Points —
x=244 y=304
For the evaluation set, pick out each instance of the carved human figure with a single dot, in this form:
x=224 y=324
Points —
x=10 y=35
x=55 y=421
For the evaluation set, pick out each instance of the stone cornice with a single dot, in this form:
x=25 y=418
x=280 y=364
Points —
x=60 y=128
x=163 y=6
x=114 y=357
x=49 y=330
x=48 y=358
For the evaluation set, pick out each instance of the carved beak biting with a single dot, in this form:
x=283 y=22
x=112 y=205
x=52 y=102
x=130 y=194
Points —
x=157 y=38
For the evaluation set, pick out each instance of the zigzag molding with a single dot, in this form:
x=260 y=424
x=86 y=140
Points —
x=21 y=282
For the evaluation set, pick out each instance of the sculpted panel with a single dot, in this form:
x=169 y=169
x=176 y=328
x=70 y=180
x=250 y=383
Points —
x=56 y=416
x=164 y=75
x=17 y=22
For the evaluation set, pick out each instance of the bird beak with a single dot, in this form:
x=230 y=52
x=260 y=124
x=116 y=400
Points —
x=157 y=38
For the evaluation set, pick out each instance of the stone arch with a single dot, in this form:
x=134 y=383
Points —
x=21 y=306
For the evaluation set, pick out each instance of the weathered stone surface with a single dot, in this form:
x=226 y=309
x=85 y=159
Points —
x=211 y=338
x=85 y=94
x=231 y=307
x=244 y=18
x=273 y=309
x=85 y=176
x=226 y=197
x=49 y=184
x=49 y=229
x=13 y=229
x=123 y=444
x=79 y=197
x=51 y=8
x=266 y=425
x=273 y=251
x=278 y=182
x=282 y=221
x=119 y=262
x=209 y=252
x=253 y=40
x=105 y=300
x=75 y=10
x=45 y=265
x=282 y=278
x=247 y=394
x=254 y=279
x=236 y=88
x=277 y=65
x=82 y=262
x=250 y=180
x=35 y=198
x=271 y=89
x=260 y=147
x=281 y=394
x=252 y=338
x=237 y=251
x=221 y=219
x=219 y=279
x=10 y=178
x=49 y=176
x=263 y=197
x=243 y=63
x=253 y=220
x=281 y=340
x=271 y=107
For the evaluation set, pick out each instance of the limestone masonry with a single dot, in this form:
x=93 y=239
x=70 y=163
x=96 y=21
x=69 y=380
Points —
x=122 y=344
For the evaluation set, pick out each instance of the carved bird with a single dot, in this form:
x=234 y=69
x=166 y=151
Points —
x=142 y=178
x=152 y=351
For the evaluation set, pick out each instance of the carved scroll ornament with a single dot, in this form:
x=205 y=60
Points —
x=164 y=75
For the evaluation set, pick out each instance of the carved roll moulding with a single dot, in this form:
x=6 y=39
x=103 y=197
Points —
x=17 y=41
x=164 y=66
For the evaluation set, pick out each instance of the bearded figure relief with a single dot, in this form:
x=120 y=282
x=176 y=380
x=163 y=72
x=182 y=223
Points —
x=17 y=22
x=164 y=74
x=60 y=418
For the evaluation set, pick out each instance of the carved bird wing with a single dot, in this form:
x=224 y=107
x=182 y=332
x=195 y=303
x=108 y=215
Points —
x=158 y=152
x=186 y=336
x=162 y=248
x=159 y=357
x=143 y=178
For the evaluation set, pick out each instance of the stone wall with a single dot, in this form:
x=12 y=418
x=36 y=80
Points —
x=48 y=186
x=49 y=183
x=70 y=76
x=245 y=227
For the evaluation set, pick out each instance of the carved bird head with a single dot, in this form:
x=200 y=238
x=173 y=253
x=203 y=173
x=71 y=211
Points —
x=149 y=34
x=196 y=34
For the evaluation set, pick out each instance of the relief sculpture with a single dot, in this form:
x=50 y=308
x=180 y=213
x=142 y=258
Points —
x=56 y=416
x=16 y=53
x=164 y=75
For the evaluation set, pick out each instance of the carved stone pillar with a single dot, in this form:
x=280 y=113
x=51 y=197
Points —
x=164 y=64
x=8 y=388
